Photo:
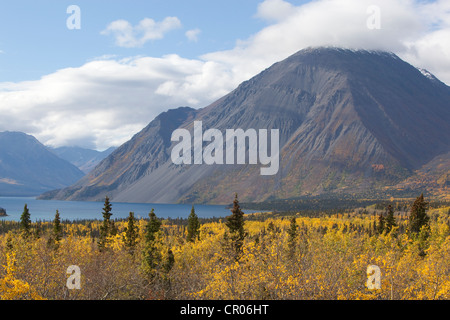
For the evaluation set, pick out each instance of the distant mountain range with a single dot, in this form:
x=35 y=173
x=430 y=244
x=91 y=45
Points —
x=351 y=122
x=83 y=159
x=28 y=168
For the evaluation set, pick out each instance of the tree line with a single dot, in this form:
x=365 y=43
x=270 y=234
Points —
x=235 y=257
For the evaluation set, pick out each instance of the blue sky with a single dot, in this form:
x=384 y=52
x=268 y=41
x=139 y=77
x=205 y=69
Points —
x=131 y=60
x=35 y=40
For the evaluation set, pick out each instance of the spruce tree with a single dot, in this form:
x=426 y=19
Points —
x=381 y=224
x=292 y=237
x=9 y=243
x=169 y=262
x=193 y=228
x=25 y=222
x=105 y=228
x=151 y=255
x=271 y=227
x=56 y=235
x=235 y=224
x=390 y=222
x=153 y=226
x=130 y=233
x=113 y=228
x=57 y=228
x=418 y=217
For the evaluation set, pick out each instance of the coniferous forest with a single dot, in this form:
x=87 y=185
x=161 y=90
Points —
x=261 y=256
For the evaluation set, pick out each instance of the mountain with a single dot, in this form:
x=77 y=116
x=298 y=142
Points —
x=350 y=122
x=28 y=168
x=84 y=159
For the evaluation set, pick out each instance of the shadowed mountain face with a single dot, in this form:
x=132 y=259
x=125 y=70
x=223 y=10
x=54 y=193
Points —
x=83 y=159
x=28 y=168
x=349 y=122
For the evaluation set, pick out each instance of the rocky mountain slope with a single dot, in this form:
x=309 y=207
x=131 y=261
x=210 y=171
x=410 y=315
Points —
x=28 y=168
x=350 y=121
x=84 y=159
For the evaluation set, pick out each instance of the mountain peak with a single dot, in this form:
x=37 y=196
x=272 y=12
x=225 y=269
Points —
x=17 y=135
x=27 y=167
x=344 y=52
x=336 y=49
x=350 y=121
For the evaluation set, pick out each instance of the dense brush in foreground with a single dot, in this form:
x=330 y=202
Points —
x=280 y=258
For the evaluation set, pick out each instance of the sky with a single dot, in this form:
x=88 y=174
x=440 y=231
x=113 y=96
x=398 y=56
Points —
x=92 y=73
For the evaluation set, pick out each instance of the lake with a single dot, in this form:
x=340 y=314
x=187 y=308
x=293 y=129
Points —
x=44 y=210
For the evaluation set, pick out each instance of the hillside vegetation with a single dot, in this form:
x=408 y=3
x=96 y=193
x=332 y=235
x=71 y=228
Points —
x=256 y=256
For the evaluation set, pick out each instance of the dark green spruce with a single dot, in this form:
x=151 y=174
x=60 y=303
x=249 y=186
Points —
x=151 y=255
x=193 y=227
x=292 y=237
x=236 y=233
x=105 y=228
x=418 y=218
x=25 y=222
x=390 y=222
x=131 y=235
x=56 y=234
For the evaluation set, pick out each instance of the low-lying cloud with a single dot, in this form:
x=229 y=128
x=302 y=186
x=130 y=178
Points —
x=107 y=100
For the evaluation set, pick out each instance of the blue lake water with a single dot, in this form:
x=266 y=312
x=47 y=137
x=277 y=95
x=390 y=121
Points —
x=44 y=210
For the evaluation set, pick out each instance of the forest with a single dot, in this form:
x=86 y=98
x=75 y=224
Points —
x=260 y=256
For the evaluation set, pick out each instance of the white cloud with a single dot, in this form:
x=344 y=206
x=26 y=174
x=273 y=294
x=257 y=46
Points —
x=107 y=100
x=431 y=50
x=408 y=28
x=147 y=29
x=274 y=10
x=193 y=34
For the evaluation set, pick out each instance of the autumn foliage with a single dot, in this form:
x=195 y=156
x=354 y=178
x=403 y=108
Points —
x=292 y=257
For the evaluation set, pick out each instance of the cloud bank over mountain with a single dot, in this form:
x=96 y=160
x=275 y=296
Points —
x=107 y=100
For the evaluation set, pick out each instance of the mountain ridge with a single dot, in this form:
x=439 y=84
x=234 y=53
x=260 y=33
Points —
x=84 y=159
x=28 y=168
x=348 y=123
